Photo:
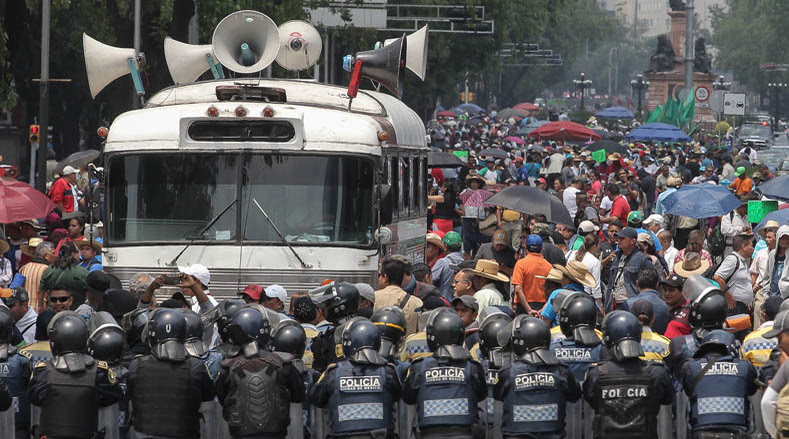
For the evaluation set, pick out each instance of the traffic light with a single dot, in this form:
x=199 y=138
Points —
x=34 y=133
x=467 y=99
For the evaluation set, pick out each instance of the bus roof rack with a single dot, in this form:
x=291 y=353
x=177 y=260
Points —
x=249 y=92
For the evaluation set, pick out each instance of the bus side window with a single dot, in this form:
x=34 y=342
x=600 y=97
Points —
x=405 y=183
x=394 y=181
x=423 y=171
x=413 y=205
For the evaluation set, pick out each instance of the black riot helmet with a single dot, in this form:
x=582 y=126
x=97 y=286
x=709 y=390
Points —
x=444 y=328
x=290 y=337
x=360 y=334
x=107 y=340
x=250 y=329
x=529 y=334
x=6 y=332
x=341 y=302
x=719 y=341
x=166 y=334
x=391 y=324
x=622 y=335
x=489 y=332
x=68 y=333
x=708 y=306
x=194 y=333
x=133 y=324
x=226 y=310
x=577 y=318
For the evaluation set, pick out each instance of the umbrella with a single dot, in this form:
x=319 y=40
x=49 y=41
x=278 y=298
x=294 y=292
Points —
x=470 y=108
x=564 y=130
x=475 y=198
x=446 y=113
x=19 y=201
x=658 y=132
x=615 y=113
x=511 y=112
x=438 y=159
x=494 y=152
x=609 y=146
x=526 y=106
x=777 y=188
x=530 y=200
x=701 y=201
x=79 y=159
x=782 y=216
x=516 y=140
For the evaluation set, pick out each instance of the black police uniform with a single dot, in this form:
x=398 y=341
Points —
x=256 y=394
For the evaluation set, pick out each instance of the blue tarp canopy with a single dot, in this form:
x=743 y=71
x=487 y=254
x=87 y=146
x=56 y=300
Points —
x=615 y=113
x=658 y=132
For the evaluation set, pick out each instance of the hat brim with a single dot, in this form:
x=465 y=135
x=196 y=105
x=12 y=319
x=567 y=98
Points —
x=95 y=244
x=26 y=250
x=587 y=280
x=437 y=242
x=686 y=273
x=773 y=332
x=500 y=277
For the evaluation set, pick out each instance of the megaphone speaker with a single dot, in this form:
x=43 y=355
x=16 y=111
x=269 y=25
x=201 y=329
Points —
x=246 y=41
x=300 y=45
x=186 y=62
x=416 y=55
x=104 y=63
x=384 y=65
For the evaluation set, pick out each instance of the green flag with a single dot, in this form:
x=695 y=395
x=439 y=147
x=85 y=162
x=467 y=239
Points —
x=694 y=129
x=655 y=115
x=688 y=109
x=599 y=156
x=672 y=111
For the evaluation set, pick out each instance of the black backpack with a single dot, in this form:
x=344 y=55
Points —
x=716 y=240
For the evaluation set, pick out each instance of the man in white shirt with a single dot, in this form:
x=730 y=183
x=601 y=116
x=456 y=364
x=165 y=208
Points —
x=758 y=268
x=24 y=316
x=735 y=223
x=568 y=197
x=200 y=273
x=733 y=277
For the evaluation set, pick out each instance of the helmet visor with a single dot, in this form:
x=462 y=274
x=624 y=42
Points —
x=628 y=349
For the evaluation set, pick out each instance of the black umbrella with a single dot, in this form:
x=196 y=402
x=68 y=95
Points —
x=493 y=152
x=438 y=159
x=532 y=201
x=79 y=159
x=609 y=146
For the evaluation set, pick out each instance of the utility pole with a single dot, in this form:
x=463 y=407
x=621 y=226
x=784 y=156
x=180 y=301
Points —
x=137 y=43
x=689 y=45
x=43 y=101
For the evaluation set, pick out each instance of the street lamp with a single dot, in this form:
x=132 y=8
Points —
x=639 y=85
x=582 y=84
x=777 y=88
x=721 y=84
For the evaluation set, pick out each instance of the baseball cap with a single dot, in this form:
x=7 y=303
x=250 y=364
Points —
x=198 y=271
x=453 y=239
x=772 y=306
x=643 y=306
x=627 y=232
x=68 y=170
x=542 y=180
x=740 y=170
x=468 y=263
x=366 y=291
x=654 y=218
x=674 y=280
x=534 y=243
x=276 y=291
x=467 y=300
x=635 y=217
x=587 y=226
x=541 y=229
x=780 y=325
x=253 y=291
x=500 y=237
x=18 y=294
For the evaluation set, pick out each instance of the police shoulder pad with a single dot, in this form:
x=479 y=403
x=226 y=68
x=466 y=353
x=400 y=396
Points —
x=40 y=364
x=102 y=365
x=111 y=378
x=25 y=354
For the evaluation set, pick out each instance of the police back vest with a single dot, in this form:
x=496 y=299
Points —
x=577 y=358
x=11 y=373
x=163 y=402
x=626 y=409
x=720 y=396
x=535 y=402
x=446 y=397
x=258 y=400
x=70 y=407
x=360 y=403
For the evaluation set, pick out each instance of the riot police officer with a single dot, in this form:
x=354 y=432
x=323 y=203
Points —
x=391 y=324
x=341 y=302
x=133 y=324
x=580 y=346
x=167 y=386
x=625 y=391
x=360 y=390
x=446 y=386
x=71 y=387
x=223 y=314
x=15 y=373
x=106 y=343
x=291 y=338
x=257 y=386
x=494 y=358
x=718 y=385
x=536 y=387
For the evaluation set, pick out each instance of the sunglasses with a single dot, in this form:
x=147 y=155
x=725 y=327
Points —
x=59 y=299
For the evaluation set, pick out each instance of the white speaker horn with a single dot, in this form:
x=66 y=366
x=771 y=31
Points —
x=300 y=45
x=186 y=62
x=246 y=41
x=416 y=53
x=104 y=63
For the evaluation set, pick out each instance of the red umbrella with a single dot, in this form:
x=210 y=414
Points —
x=475 y=198
x=19 y=202
x=564 y=130
x=446 y=113
x=526 y=106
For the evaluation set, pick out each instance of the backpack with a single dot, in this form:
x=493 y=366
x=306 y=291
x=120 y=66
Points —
x=716 y=240
x=782 y=412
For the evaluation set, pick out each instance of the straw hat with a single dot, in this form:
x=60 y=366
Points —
x=489 y=269
x=554 y=276
x=433 y=238
x=578 y=272
x=475 y=176
x=772 y=224
x=691 y=264
x=95 y=244
x=4 y=246
x=673 y=181
x=30 y=248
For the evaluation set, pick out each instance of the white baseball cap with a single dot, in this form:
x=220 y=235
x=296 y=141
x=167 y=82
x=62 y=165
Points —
x=587 y=226
x=68 y=170
x=654 y=218
x=199 y=271
x=276 y=291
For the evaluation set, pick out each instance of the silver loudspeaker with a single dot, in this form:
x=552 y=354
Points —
x=104 y=63
x=246 y=41
x=300 y=45
x=416 y=53
x=186 y=62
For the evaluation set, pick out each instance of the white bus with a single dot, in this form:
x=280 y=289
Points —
x=189 y=176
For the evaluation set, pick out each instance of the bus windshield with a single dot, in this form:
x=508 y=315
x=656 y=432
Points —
x=173 y=197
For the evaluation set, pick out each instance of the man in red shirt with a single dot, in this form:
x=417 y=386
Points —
x=678 y=305
x=61 y=193
x=529 y=289
x=619 y=209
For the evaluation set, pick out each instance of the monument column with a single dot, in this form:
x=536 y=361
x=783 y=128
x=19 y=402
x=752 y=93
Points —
x=677 y=32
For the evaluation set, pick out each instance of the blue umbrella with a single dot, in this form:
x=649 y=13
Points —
x=658 y=132
x=615 y=113
x=471 y=108
x=782 y=216
x=701 y=201
x=777 y=188
x=529 y=127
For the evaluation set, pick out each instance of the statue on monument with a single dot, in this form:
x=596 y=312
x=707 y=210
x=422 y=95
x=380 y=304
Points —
x=677 y=5
x=664 y=58
x=703 y=61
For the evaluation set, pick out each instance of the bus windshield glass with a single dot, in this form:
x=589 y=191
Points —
x=171 y=197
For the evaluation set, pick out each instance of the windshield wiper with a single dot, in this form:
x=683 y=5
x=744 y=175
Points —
x=281 y=237
x=202 y=232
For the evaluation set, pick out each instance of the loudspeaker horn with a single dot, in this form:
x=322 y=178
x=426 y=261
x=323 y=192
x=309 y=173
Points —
x=104 y=63
x=384 y=65
x=300 y=45
x=416 y=55
x=186 y=62
x=246 y=41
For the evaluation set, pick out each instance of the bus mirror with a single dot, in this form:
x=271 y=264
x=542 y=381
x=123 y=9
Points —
x=385 y=204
